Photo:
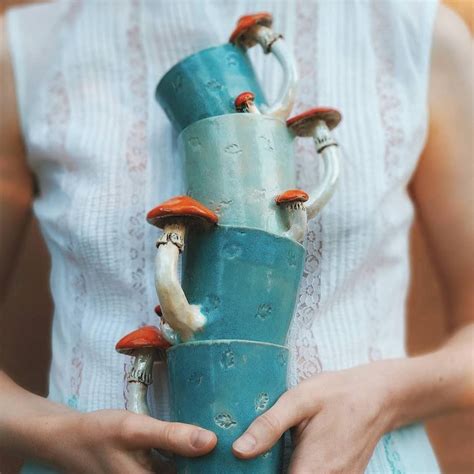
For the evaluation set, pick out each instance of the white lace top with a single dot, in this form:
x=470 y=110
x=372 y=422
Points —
x=104 y=153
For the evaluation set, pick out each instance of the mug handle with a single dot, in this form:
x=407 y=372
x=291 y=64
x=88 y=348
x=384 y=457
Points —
x=318 y=123
x=175 y=216
x=146 y=345
x=256 y=28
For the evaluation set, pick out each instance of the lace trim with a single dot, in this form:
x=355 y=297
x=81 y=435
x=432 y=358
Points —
x=304 y=361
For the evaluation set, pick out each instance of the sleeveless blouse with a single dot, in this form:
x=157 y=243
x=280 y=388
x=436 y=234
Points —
x=104 y=153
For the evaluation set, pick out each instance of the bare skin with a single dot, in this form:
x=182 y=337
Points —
x=115 y=441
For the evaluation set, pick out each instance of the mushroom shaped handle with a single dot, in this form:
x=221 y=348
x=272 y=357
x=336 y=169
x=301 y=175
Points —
x=174 y=217
x=318 y=123
x=292 y=203
x=256 y=28
x=146 y=345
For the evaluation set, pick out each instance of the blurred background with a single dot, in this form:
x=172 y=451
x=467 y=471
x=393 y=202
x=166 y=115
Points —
x=26 y=316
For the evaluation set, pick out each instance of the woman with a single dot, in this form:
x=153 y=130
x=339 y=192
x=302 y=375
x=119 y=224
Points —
x=84 y=75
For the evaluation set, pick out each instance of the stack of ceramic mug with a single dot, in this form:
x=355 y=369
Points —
x=239 y=230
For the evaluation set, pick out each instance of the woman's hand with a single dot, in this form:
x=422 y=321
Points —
x=102 y=442
x=338 y=417
x=117 y=441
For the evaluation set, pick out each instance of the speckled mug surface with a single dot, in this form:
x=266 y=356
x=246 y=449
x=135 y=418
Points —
x=223 y=386
x=236 y=165
x=206 y=84
x=245 y=282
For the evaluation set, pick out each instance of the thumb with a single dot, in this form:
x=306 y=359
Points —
x=268 y=428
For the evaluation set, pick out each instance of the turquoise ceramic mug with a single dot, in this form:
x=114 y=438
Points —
x=238 y=164
x=244 y=282
x=207 y=390
x=207 y=83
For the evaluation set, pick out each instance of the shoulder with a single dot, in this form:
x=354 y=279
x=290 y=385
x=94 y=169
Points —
x=452 y=41
x=9 y=120
x=451 y=64
x=13 y=165
x=464 y=8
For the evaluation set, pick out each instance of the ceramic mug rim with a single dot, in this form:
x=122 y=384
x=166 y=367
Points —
x=208 y=342
x=256 y=229
x=243 y=116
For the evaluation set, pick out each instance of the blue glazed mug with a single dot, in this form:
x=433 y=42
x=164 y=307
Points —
x=244 y=281
x=206 y=390
x=207 y=83
x=237 y=165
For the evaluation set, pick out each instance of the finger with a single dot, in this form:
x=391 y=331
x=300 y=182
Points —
x=267 y=429
x=144 y=432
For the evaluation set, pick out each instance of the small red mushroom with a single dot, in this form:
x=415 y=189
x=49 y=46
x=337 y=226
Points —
x=292 y=195
x=318 y=123
x=246 y=30
x=173 y=216
x=144 y=337
x=244 y=102
x=304 y=124
x=180 y=208
x=146 y=344
x=292 y=202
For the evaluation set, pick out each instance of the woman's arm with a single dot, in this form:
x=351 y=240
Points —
x=340 y=416
x=112 y=441
x=442 y=189
x=16 y=184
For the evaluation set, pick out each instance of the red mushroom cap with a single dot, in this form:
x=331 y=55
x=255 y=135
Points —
x=292 y=195
x=146 y=336
x=248 y=21
x=180 y=206
x=303 y=124
x=158 y=310
x=242 y=100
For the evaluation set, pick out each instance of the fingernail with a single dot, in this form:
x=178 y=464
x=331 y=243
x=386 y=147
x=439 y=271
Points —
x=201 y=438
x=245 y=443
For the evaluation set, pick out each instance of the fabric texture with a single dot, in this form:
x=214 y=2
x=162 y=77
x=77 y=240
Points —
x=104 y=153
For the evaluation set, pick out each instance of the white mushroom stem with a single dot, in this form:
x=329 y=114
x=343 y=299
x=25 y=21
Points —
x=184 y=318
x=252 y=108
x=297 y=220
x=138 y=380
x=274 y=43
x=329 y=150
x=137 y=398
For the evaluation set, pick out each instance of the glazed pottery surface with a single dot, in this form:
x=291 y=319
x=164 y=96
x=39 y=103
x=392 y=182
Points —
x=206 y=84
x=223 y=386
x=236 y=165
x=245 y=281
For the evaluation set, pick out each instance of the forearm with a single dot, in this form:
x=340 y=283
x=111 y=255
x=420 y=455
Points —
x=100 y=441
x=435 y=383
x=26 y=419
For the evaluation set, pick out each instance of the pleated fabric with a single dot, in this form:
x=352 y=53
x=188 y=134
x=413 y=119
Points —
x=104 y=153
